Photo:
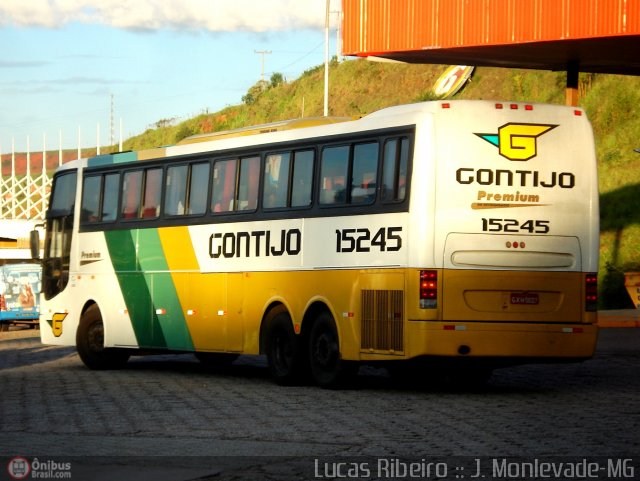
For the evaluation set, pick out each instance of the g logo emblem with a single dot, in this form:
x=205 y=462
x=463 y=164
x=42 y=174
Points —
x=517 y=141
x=56 y=323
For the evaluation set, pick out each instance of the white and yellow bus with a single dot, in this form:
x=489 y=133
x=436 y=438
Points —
x=462 y=230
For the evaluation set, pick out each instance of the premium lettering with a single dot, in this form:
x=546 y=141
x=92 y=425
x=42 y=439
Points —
x=507 y=197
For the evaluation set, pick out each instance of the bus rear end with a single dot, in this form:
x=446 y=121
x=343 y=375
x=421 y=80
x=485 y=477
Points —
x=516 y=232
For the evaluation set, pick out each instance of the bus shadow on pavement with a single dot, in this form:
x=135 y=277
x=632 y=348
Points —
x=369 y=377
x=32 y=355
x=247 y=367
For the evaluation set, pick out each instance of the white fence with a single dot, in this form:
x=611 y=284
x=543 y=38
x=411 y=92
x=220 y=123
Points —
x=25 y=195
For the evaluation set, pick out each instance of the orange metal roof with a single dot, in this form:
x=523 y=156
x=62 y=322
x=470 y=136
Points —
x=595 y=35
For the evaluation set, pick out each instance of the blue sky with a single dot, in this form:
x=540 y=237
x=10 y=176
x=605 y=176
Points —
x=61 y=60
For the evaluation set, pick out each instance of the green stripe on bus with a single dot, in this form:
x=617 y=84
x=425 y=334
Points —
x=134 y=288
x=171 y=316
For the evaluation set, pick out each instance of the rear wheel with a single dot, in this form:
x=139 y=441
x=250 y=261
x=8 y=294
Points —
x=327 y=367
x=90 y=343
x=285 y=354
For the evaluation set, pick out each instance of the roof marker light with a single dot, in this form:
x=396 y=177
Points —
x=515 y=244
x=528 y=107
x=499 y=106
x=513 y=106
x=577 y=113
x=446 y=105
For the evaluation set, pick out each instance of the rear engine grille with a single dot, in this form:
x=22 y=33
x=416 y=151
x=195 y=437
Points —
x=382 y=320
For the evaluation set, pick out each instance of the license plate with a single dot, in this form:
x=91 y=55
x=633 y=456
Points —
x=525 y=298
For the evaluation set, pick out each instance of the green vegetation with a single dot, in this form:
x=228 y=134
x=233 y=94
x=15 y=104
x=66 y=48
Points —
x=358 y=87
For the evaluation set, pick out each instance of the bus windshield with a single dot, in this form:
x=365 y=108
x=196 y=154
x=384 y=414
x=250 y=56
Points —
x=57 y=246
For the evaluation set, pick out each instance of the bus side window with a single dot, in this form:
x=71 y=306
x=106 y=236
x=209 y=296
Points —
x=176 y=190
x=302 y=178
x=402 y=170
x=152 y=192
x=394 y=169
x=333 y=175
x=110 y=197
x=248 y=183
x=276 y=180
x=91 y=192
x=224 y=185
x=198 y=188
x=131 y=189
x=365 y=173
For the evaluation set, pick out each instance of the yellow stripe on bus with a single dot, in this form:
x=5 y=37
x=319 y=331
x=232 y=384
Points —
x=194 y=289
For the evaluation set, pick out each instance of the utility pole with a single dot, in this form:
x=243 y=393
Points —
x=338 y=41
x=113 y=136
x=326 y=61
x=263 y=53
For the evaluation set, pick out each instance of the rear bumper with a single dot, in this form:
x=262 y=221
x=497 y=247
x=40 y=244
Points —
x=501 y=340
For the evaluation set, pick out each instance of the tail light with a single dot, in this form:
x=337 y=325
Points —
x=3 y=303
x=428 y=289
x=591 y=292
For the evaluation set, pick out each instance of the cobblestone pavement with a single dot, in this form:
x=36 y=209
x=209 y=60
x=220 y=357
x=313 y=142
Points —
x=168 y=417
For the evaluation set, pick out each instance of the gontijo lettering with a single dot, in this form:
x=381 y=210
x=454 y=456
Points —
x=521 y=178
x=255 y=243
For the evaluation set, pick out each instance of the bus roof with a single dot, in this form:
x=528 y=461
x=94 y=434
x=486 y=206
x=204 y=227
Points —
x=286 y=130
x=265 y=128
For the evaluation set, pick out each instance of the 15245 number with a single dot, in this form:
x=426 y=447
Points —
x=514 y=226
x=386 y=239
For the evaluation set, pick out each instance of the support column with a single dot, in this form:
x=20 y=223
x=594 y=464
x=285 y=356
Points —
x=573 y=74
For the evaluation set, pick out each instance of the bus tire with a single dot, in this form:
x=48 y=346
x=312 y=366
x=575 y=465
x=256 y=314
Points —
x=90 y=343
x=285 y=355
x=327 y=367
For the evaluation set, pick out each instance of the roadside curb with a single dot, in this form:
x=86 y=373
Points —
x=19 y=334
x=620 y=318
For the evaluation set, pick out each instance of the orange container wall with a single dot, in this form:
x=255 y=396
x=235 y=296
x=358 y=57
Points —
x=378 y=26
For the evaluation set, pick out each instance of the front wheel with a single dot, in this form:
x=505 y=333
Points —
x=327 y=367
x=90 y=343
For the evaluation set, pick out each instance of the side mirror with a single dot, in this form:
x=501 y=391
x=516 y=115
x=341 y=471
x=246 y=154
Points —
x=34 y=244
